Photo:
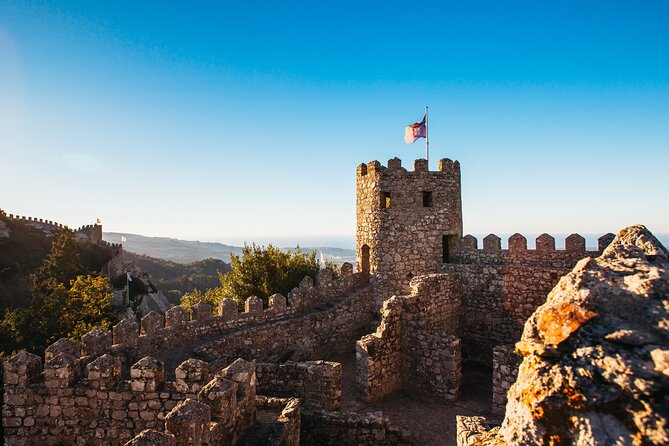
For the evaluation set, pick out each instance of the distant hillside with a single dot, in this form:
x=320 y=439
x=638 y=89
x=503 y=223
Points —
x=175 y=279
x=180 y=251
x=186 y=251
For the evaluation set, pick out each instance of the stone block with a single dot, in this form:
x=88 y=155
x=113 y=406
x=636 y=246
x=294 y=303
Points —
x=191 y=375
x=104 y=373
x=469 y=243
x=545 y=243
x=189 y=423
x=575 y=243
x=517 y=243
x=228 y=309
x=492 y=243
x=605 y=241
x=126 y=332
x=201 y=312
x=61 y=372
x=420 y=165
x=221 y=396
x=176 y=317
x=96 y=342
x=152 y=323
x=253 y=305
x=63 y=345
x=346 y=270
x=324 y=277
x=277 y=303
x=150 y=437
x=22 y=370
x=394 y=164
x=147 y=375
x=243 y=373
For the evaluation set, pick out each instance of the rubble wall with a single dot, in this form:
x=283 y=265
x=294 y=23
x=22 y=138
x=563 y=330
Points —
x=349 y=429
x=505 y=363
x=316 y=383
x=81 y=400
x=316 y=334
x=416 y=345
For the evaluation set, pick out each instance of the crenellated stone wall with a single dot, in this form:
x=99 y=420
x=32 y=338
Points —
x=156 y=333
x=316 y=383
x=309 y=336
x=502 y=287
x=415 y=346
x=80 y=400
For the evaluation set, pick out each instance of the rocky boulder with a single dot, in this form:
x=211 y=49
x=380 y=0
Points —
x=596 y=354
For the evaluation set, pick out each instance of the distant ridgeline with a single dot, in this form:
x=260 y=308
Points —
x=26 y=241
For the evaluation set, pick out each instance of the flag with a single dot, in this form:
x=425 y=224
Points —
x=128 y=276
x=123 y=239
x=414 y=131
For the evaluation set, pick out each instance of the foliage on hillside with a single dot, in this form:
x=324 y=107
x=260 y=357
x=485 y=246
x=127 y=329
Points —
x=176 y=279
x=24 y=251
x=67 y=298
x=259 y=272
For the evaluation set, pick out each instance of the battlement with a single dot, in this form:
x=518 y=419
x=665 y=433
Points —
x=394 y=167
x=44 y=402
x=154 y=333
x=91 y=233
x=467 y=249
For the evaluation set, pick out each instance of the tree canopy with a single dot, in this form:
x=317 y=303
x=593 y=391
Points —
x=260 y=271
x=66 y=300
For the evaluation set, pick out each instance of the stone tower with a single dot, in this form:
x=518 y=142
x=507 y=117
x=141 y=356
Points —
x=407 y=222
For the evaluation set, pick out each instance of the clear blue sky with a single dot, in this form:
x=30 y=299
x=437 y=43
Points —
x=247 y=119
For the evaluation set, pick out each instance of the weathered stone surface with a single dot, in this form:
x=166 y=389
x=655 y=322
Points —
x=191 y=375
x=61 y=372
x=189 y=423
x=96 y=342
x=22 y=369
x=63 y=345
x=147 y=375
x=150 y=437
x=594 y=353
x=104 y=373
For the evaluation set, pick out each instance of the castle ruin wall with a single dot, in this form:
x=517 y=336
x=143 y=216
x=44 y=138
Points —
x=416 y=346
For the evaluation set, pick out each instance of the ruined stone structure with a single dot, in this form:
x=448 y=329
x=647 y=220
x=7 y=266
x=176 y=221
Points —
x=187 y=377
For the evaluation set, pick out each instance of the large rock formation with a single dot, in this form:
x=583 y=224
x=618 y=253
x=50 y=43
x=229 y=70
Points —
x=596 y=354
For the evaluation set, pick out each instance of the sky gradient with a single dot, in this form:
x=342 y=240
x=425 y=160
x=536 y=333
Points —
x=246 y=120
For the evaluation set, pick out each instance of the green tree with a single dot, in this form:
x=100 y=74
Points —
x=65 y=301
x=260 y=271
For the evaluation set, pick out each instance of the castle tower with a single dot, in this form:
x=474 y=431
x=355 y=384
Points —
x=407 y=222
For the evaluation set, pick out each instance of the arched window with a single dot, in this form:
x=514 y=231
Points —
x=364 y=259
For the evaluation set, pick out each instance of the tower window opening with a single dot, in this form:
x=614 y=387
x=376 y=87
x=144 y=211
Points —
x=444 y=249
x=385 y=200
x=427 y=199
x=364 y=259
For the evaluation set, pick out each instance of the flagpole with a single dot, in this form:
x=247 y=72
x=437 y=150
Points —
x=427 y=141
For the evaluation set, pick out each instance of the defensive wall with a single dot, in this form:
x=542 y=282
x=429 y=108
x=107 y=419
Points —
x=84 y=400
x=501 y=288
x=416 y=346
x=257 y=333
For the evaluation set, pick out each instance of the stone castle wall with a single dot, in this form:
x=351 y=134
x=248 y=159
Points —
x=505 y=363
x=316 y=383
x=502 y=287
x=416 y=345
x=310 y=336
x=84 y=400
x=157 y=333
x=326 y=428
x=402 y=219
